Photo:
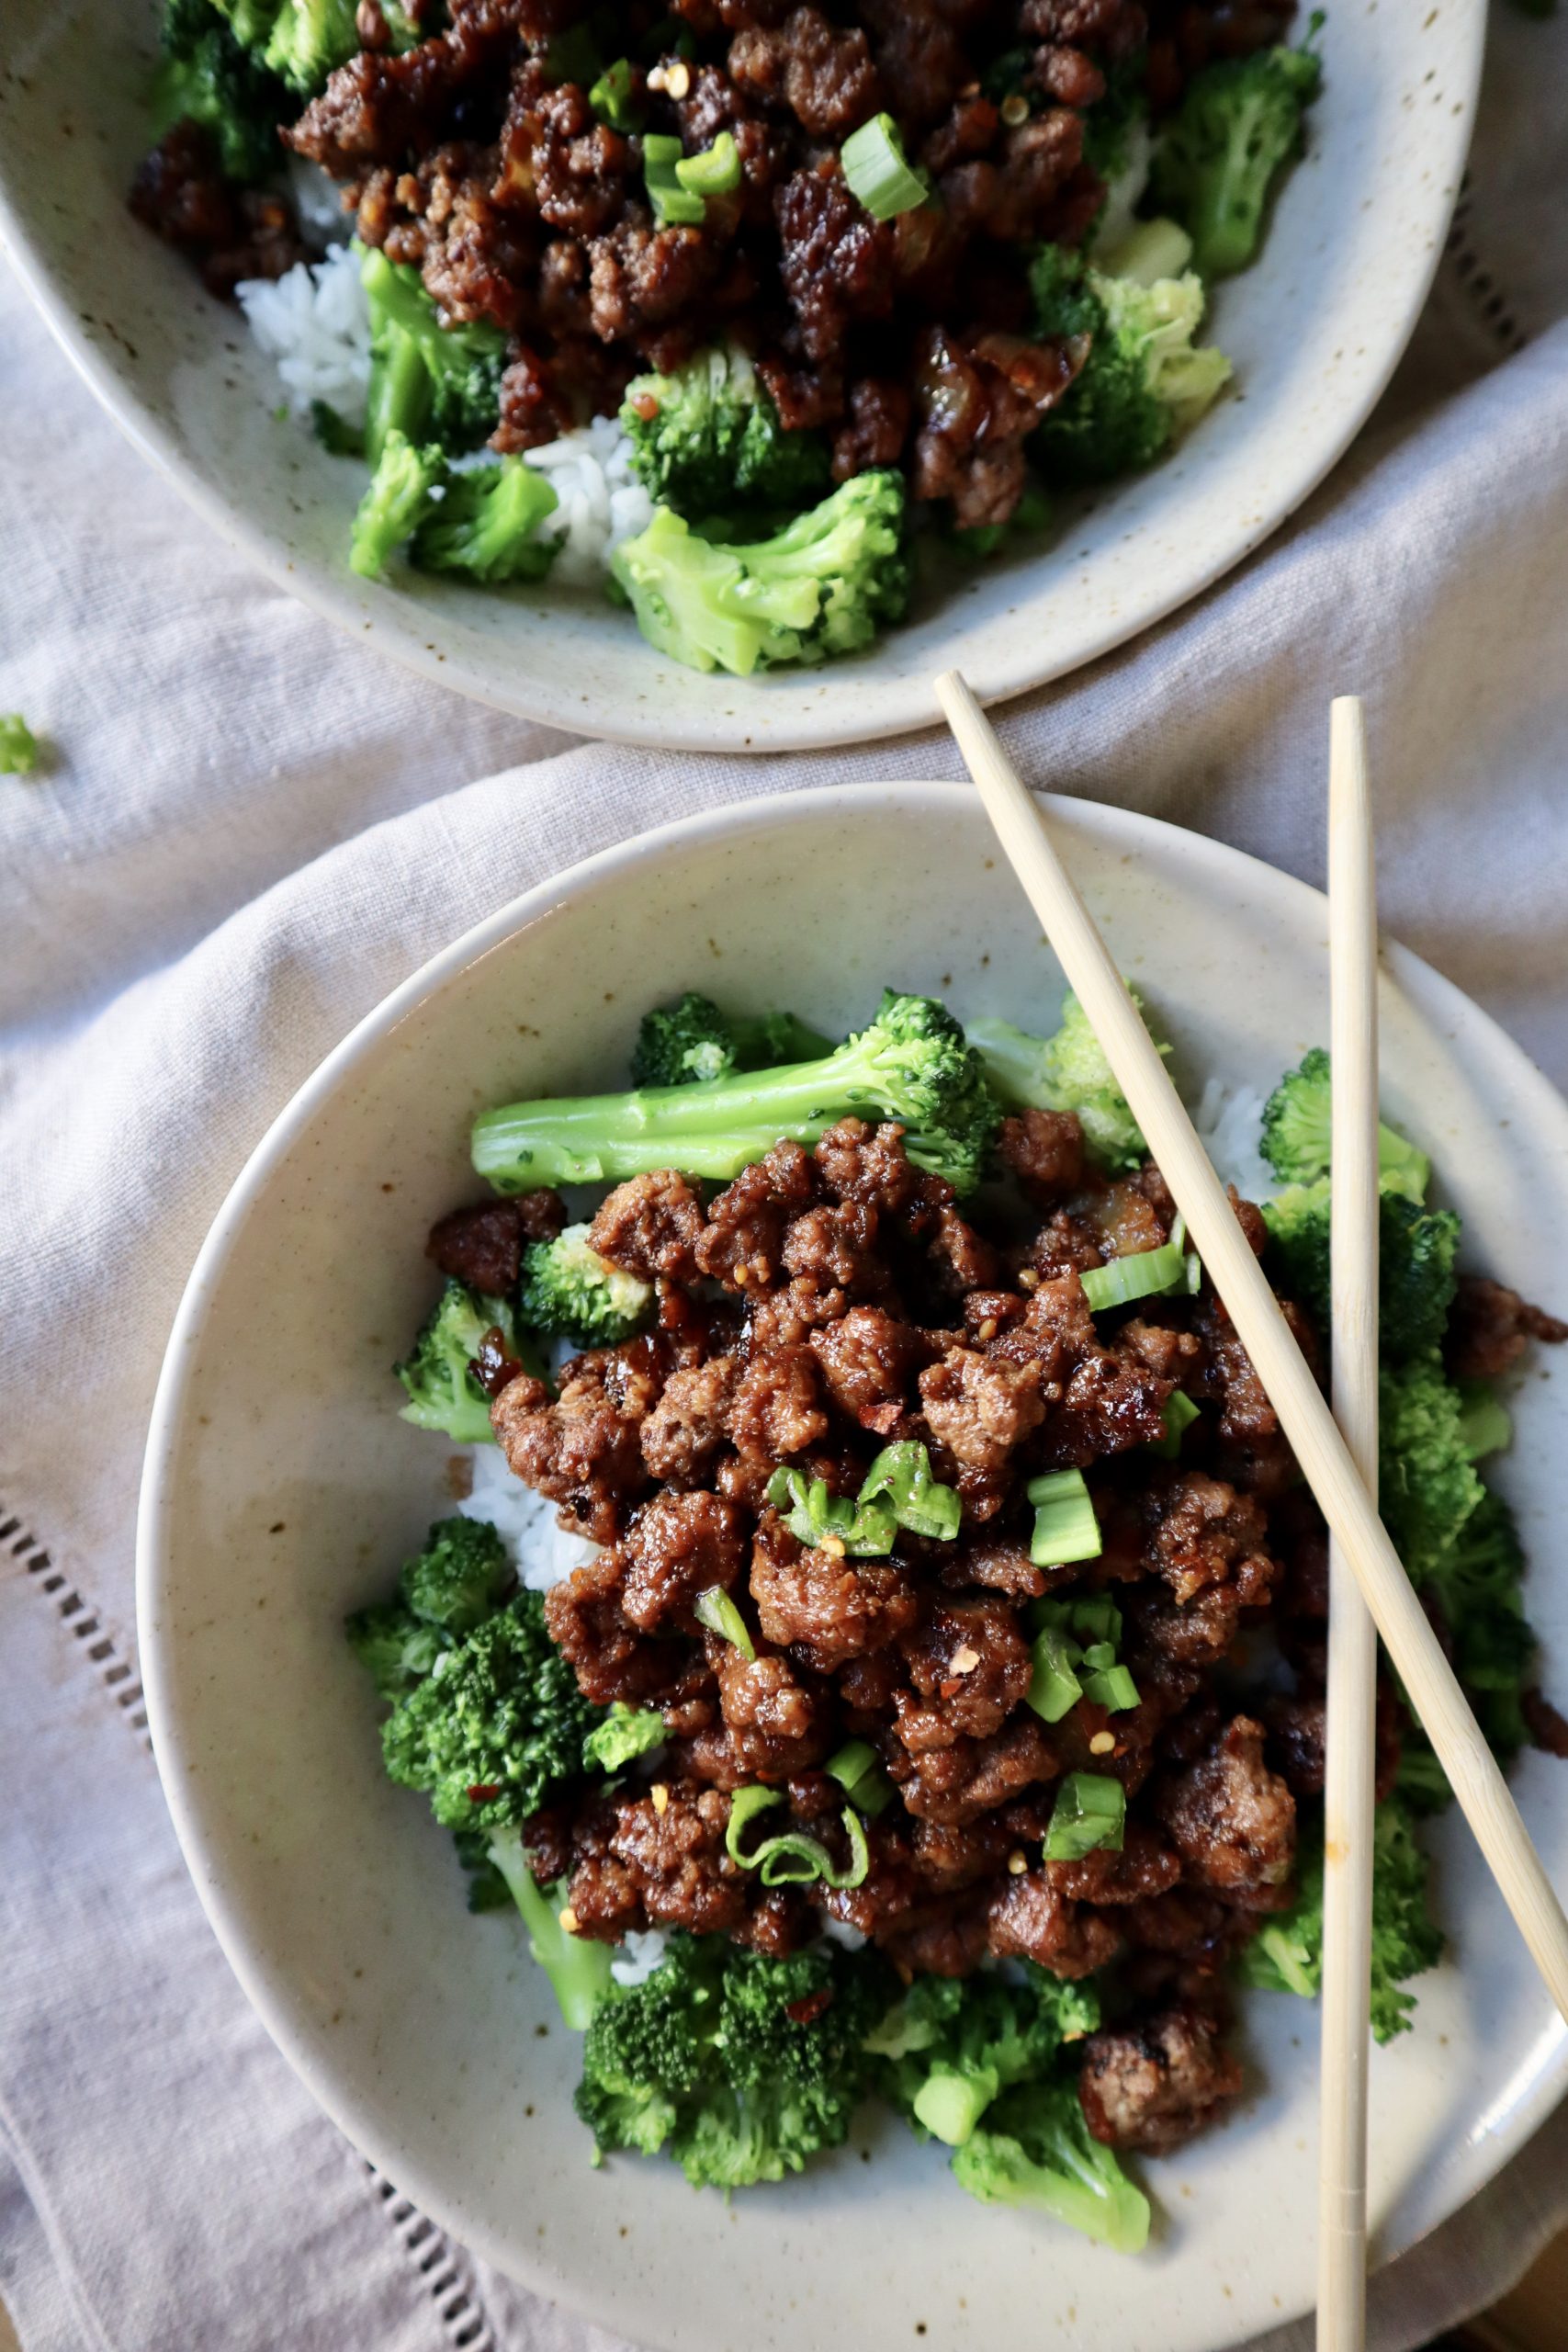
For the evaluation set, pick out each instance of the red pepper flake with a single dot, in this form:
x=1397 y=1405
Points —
x=645 y=405
x=482 y=1792
x=810 y=2006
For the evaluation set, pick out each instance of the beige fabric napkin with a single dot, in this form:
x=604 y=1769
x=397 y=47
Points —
x=250 y=832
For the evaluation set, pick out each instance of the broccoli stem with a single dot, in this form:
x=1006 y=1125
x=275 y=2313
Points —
x=950 y=2104
x=579 y=1970
x=398 y=398
x=712 y=1130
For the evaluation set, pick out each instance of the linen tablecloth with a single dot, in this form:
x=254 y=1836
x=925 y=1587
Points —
x=250 y=829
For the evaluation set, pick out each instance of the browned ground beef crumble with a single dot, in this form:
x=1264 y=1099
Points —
x=824 y=1303
x=909 y=339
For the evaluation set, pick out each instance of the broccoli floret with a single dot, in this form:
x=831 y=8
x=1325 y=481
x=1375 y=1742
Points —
x=442 y=1594
x=569 y=1292
x=442 y=1392
x=1035 y=2149
x=486 y=524
x=952 y=2046
x=395 y=1647
x=1286 y=1957
x=706 y=2056
x=207 y=75
x=18 y=746
x=577 y=1968
x=1456 y=1538
x=495 y=1727
x=709 y=439
x=433 y=384
x=1298 y=1133
x=625 y=1733
x=691 y=1042
x=400 y=496
x=821 y=586
x=1216 y=159
x=1417 y=1279
x=302 y=41
x=1143 y=381
x=1067 y=1072
x=1427 y=1488
x=912 y=1063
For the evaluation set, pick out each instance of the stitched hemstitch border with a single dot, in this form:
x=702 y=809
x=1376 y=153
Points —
x=438 y=2264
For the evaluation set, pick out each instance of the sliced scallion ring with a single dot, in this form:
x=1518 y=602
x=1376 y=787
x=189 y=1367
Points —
x=1142 y=1275
x=878 y=172
x=1089 y=1816
x=1065 y=1528
x=715 y=1609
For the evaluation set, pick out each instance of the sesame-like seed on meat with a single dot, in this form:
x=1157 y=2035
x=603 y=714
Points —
x=837 y=1248
x=970 y=1664
x=741 y=1244
x=1153 y=2086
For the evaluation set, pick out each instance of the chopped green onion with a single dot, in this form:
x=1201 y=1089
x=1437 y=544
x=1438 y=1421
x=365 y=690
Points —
x=1112 y=1688
x=611 y=98
x=903 y=1472
x=1100 y=1654
x=1065 y=1528
x=878 y=173
x=1139 y=1276
x=1088 y=1816
x=865 y=1529
x=792 y=1858
x=858 y=1770
x=1180 y=1412
x=1093 y=1617
x=716 y=171
x=1055 y=1689
x=715 y=1609
x=671 y=201
x=1192 y=1269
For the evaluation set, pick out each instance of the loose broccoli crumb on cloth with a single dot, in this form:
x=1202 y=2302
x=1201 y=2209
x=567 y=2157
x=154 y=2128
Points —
x=18 y=746
x=919 y=1695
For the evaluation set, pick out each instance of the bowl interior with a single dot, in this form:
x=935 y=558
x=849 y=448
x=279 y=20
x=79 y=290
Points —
x=282 y=1489
x=1314 y=330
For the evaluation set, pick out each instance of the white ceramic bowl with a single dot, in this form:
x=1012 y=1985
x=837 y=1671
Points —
x=1314 y=330
x=281 y=1490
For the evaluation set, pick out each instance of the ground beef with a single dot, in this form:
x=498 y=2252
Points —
x=980 y=1408
x=836 y=261
x=1155 y=2084
x=650 y=1226
x=1490 y=1328
x=1033 y=1919
x=829 y=1608
x=823 y=75
x=741 y=1244
x=230 y=234
x=1233 y=1821
x=677 y=1546
x=828 y=1303
x=483 y=1246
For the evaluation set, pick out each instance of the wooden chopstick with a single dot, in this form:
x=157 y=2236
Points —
x=1325 y=1460
x=1349 y=1785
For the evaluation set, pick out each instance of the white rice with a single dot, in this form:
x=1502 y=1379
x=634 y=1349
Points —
x=318 y=201
x=1229 y=1118
x=839 y=1931
x=639 y=1955
x=542 y=1553
x=314 y=323
x=602 y=502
